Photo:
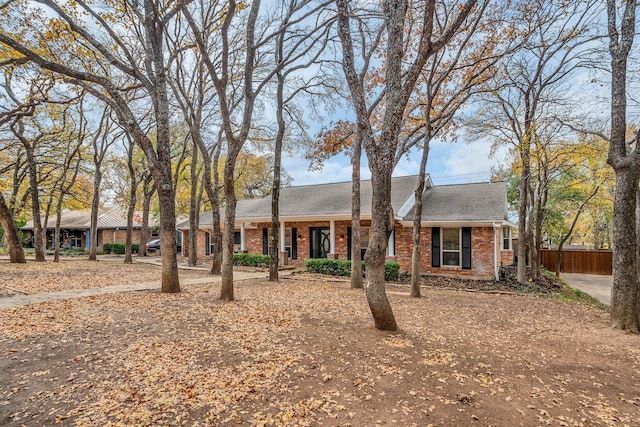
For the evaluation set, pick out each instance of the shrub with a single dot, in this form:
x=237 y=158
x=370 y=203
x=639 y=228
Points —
x=342 y=267
x=118 y=248
x=251 y=260
x=332 y=267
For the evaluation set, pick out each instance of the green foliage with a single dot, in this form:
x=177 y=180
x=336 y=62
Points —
x=251 y=260
x=342 y=267
x=118 y=248
x=332 y=267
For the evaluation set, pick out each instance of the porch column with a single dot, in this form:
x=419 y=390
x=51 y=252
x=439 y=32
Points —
x=391 y=247
x=332 y=238
x=282 y=237
x=242 y=247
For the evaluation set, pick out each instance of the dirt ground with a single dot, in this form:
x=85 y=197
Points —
x=304 y=352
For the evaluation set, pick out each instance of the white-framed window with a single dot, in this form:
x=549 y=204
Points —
x=506 y=238
x=288 y=239
x=450 y=242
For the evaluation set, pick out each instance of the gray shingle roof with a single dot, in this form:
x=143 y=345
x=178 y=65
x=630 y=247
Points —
x=107 y=219
x=318 y=200
x=464 y=202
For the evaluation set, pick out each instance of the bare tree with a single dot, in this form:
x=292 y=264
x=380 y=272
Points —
x=624 y=158
x=101 y=141
x=140 y=56
x=527 y=98
x=398 y=85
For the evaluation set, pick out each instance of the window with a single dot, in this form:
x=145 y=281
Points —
x=450 y=245
x=288 y=241
x=506 y=238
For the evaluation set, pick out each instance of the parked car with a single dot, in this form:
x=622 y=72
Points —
x=154 y=246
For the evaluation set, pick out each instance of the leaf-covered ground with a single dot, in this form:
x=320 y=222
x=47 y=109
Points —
x=304 y=352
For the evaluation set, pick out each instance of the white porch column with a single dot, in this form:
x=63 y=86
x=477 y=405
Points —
x=282 y=236
x=332 y=231
x=242 y=247
x=391 y=247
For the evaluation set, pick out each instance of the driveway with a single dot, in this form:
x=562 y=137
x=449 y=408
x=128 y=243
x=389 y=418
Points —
x=595 y=285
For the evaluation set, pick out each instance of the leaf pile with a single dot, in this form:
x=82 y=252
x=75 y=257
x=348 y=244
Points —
x=304 y=352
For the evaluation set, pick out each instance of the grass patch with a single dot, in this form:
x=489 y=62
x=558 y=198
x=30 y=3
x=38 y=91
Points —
x=576 y=296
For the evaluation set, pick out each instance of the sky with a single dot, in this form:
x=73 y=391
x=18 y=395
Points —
x=458 y=162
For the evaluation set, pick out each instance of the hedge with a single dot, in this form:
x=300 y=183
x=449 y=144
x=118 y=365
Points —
x=251 y=260
x=342 y=267
x=118 y=248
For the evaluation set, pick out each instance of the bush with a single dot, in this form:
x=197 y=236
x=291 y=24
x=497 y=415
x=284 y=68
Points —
x=332 y=267
x=251 y=260
x=342 y=267
x=118 y=248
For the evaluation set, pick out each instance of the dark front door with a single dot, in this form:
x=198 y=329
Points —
x=320 y=242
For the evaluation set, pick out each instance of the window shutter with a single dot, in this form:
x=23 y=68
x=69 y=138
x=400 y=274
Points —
x=265 y=241
x=207 y=244
x=435 y=247
x=294 y=243
x=466 y=248
x=349 y=243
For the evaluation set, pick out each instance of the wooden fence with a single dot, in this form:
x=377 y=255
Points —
x=589 y=262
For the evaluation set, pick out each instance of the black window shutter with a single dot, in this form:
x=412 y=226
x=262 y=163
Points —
x=466 y=248
x=349 y=243
x=207 y=245
x=294 y=243
x=265 y=241
x=435 y=247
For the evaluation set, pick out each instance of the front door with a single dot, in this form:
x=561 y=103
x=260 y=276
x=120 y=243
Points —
x=320 y=242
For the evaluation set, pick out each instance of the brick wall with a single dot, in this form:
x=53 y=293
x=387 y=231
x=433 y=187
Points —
x=482 y=247
x=482 y=253
x=117 y=236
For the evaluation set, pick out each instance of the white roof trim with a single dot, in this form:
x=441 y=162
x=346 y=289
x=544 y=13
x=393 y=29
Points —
x=408 y=205
x=483 y=223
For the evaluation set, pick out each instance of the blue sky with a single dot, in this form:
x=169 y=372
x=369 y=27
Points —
x=449 y=163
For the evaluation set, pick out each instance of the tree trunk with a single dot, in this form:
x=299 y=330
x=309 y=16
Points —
x=356 y=255
x=375 y=257
x=625 y=294
x=16 y=253
x=277 y=161
x=226 y=290
x=56 y=252
x=417 y=219
x=216 y=236
x=194 y=209
x=95 y=204
x=522 y=227
x=38 y=237
x=128 y=259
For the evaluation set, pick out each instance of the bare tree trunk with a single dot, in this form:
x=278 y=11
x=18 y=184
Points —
x=381 y=222
x=38 y=236
x=417 y=218
x=356 y=255
x=625 y=294
x=130 y=210
x=521 y=272
x=277 y=162
x=226 y=290
x=216 y=236
x=16 y=253
x=194 y=209
x=95 y=205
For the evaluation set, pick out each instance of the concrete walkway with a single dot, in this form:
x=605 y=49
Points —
x=595 y=285
x=20 y=300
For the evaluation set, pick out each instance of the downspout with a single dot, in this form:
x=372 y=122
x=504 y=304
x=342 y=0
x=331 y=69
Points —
x=496 y=227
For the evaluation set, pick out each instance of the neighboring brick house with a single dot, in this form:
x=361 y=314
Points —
x=75 y=227
x=465 y=230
